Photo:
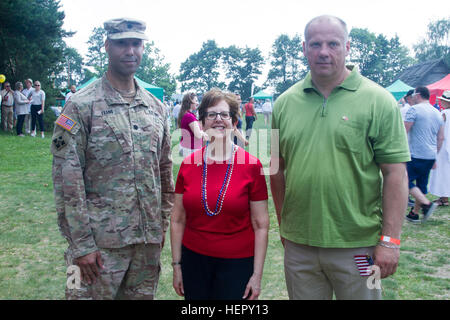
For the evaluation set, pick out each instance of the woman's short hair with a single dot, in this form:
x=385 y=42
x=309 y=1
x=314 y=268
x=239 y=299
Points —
x=18 y=85
x=212 y=98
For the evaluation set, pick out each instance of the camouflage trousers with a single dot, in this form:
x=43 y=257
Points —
x=130 y=273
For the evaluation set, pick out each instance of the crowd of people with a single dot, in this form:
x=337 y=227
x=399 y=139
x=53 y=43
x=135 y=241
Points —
x=339 y=178
x=23 y=107
x=429 y=143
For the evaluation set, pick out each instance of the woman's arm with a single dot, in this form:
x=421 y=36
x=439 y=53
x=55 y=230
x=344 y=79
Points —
x=198 y=133
x=238 y=135
x=177 y=225
x=260 y=221
x=43 y=103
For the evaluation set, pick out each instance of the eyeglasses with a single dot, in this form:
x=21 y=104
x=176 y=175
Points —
x=37 y=85
x=224 y=115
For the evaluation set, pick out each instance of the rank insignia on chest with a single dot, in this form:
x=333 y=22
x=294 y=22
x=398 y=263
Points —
x=59 y=143
x=65 y=122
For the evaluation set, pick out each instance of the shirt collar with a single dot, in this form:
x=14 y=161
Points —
x=113 y=97
x=351 y=83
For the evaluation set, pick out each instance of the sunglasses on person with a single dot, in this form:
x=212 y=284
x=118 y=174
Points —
x=224 y=115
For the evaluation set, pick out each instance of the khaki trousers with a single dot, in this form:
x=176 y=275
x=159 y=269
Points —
x=314 y=273
x=130 y=273
x=7 y=118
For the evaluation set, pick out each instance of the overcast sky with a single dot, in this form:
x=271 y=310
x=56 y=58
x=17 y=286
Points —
x=179 y=27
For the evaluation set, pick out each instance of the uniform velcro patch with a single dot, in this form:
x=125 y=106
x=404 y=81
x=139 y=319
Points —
x=59 y=143
x=65 y=122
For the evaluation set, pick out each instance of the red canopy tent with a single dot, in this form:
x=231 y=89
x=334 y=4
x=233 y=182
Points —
x=437 y=88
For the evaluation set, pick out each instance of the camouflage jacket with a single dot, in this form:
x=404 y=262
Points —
x=112 y=169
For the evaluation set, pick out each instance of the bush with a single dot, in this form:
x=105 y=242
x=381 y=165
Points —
x=49 y=119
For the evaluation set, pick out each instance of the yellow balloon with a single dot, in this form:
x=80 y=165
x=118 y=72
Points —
x=2 y=78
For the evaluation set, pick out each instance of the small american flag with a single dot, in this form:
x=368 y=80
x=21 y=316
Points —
x=65 y=122
x=363 y=262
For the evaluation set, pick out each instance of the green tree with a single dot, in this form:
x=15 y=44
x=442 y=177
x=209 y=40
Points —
x=155 y=71
x=201 y=70
x=242 y=67
x=377 y=57
x=73 y=69
x=288 y=65
x=31 y=42
x=96 y=56
x=436 y=45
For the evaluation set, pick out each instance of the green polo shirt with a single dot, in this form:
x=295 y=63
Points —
x=332 y=150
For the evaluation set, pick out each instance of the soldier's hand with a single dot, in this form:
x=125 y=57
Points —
x=89 y=266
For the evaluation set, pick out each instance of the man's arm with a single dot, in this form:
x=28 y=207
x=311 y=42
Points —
x=408 y=125
x=440 y=138
x=167 y=186
x=395 y=196
x=70 y=195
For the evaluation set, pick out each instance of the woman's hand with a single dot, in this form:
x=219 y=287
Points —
x=253 y=289
x=178 y=280
x=205 y=136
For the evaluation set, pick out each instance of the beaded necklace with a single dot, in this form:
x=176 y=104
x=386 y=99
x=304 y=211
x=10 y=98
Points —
x=223 y=189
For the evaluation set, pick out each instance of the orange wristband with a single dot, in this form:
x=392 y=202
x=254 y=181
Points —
x=391 y=240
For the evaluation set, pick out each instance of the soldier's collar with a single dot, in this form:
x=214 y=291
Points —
x=113 y=97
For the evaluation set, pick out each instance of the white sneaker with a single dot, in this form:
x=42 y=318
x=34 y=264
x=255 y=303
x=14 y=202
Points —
x=33 y=134
x=42 y=135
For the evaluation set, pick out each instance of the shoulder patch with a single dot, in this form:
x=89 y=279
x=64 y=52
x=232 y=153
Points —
x=59 y=143
x=65 y=122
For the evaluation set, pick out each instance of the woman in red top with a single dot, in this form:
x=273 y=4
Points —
x=220 y=220
x=191 y=134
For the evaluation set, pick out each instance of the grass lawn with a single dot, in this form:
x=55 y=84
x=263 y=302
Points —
x=31 y=248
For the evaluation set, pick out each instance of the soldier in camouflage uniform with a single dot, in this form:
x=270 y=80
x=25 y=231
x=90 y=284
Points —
x=112 y=175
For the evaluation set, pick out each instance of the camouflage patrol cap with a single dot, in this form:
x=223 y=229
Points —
x=124 y=28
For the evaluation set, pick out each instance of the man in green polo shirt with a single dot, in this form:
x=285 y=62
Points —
x=341 y=190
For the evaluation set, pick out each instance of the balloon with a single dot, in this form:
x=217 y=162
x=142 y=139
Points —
x=2 y=78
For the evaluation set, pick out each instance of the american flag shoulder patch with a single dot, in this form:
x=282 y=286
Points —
x=363 y=263
x=65 y=122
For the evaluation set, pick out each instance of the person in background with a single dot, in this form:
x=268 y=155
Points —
x=37 y=109
x=7 y=97
x=341 y=189
x=73 y=89
x=250 y=117
x=238 y=138
x=192 y=135
x=424 y=125
x=27 y=92
x=440 y=173
x=175 y=113
x=219 y=227
x=267 y=111
x=21 y=103
x=408 y=103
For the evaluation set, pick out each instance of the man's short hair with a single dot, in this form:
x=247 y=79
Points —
x=423 y=91
x=339 y=20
